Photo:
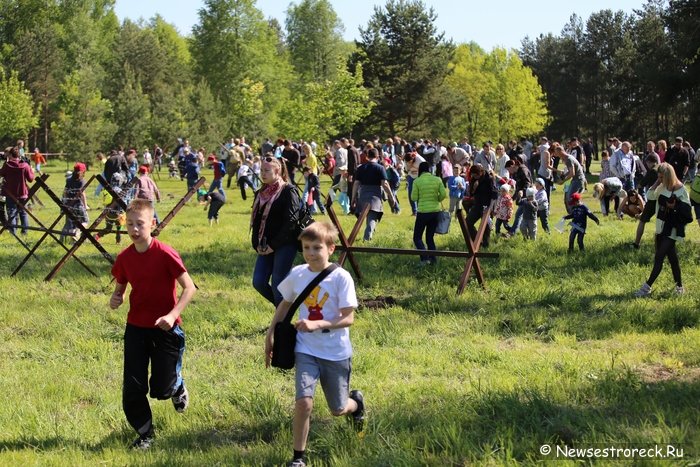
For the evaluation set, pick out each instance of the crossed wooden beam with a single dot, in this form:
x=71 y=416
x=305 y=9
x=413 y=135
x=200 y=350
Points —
x=472 y=256
x=49 y=231
x=86 y=232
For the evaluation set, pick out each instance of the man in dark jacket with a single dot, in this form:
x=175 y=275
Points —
x=16 y=173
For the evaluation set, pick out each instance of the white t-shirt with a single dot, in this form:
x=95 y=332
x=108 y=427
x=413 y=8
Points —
x=244 y=171
x=334 y=292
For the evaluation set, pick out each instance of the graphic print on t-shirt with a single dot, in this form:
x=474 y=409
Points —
x=315 y=306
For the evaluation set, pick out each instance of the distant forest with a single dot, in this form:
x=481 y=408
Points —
x=74 y=79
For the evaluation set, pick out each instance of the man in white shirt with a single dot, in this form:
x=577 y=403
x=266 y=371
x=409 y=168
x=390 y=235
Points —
x=486 y=157
x=622 y=165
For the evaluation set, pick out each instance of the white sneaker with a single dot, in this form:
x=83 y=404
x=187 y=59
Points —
x=644 y=291
x=680 y=290
x=181 y=401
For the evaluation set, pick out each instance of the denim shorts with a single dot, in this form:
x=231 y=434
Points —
x=334 y=376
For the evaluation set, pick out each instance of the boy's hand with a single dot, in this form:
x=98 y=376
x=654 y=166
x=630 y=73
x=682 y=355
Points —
x=268 y=349
x=116 y=300
x=304 y=325
x=166 y=322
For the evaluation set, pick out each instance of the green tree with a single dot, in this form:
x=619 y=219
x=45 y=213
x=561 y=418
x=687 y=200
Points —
x=232 y=46
x=328 y=109
x=41 y=64
x=18 y=115
x=207 y=125
x=83 y=125
x=516 y=100
x=404 y=72
x=131 y=112
x=314 y=38
x=471 y=84
x=499 y=97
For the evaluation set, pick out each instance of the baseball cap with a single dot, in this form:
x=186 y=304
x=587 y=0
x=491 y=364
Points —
x=79 y=167
x=540 y=180
x=575 y=197
x=143 y=169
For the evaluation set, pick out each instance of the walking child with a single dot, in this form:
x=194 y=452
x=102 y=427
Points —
x=323 y=351
x=542 y=203
x=342 y=187
x=580 y=214
x=146 y=188
x=244 y=175
x=153 y=334
x=394 y=179
x=528 y=226
x=457 y=186
x=314 y=195
x=503 y=209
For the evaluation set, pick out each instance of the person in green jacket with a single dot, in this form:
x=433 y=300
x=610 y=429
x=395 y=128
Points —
x=428 y=192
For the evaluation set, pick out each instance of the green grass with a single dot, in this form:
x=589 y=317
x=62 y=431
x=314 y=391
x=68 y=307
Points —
x=555 y=350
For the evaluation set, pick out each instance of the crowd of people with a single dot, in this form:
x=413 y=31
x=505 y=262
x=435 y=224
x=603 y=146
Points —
x=514 y=182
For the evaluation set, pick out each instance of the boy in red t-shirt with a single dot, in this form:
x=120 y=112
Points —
x=153 y=333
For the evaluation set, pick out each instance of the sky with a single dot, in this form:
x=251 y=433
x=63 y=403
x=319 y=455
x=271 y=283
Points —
x=494 y=23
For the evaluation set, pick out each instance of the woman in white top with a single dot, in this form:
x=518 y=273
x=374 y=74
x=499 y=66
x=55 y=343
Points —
x=673 y=213
x=501 y=159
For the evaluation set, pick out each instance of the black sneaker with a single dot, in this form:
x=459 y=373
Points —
x=143 y=442
x=296 y=463
x=181 y=400
x=358 y=416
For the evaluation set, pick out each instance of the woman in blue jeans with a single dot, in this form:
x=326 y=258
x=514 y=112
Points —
x=274 y=229
x=428 y=191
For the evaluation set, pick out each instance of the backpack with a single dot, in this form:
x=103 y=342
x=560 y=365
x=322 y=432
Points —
x=393 y=178
x=222 y=166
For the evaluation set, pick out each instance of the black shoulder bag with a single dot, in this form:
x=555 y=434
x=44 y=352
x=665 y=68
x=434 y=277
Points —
x=285 y=335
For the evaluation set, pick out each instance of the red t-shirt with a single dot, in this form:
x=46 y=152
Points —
x=152 y=275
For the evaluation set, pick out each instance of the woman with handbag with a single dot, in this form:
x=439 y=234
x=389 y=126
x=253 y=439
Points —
x=673 y=213
x=428 y=191
x=274 y=226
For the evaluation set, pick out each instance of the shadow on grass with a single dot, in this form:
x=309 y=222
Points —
x=263 y=430
x=618 y=408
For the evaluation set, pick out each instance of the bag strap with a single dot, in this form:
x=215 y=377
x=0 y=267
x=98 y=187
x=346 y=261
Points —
x=305 y=293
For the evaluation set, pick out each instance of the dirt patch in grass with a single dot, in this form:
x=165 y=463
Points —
x=654 y=373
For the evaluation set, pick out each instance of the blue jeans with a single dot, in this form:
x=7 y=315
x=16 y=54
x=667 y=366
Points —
x=409 y=186
x=13 y=211
x=217 y=185
x=371 y=224
x=425 y=222
x=271 y=269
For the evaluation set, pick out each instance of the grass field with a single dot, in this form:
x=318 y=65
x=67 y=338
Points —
x=555 y=351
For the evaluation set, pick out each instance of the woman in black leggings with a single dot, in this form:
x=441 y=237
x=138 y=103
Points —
x=672 y=214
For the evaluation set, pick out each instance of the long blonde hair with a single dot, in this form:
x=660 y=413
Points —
x=669 y=179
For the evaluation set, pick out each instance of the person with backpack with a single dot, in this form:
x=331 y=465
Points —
x=219 y=172
x=394 y=179
x=274 y=223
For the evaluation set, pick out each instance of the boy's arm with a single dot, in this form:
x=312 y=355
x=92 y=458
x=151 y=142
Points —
x=167 y=322
x=346 y=318
x=279 y=315
x=590 y=214
x=117 y=297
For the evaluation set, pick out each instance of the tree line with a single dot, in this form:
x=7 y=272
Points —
x=636 y=75
x=74 y=79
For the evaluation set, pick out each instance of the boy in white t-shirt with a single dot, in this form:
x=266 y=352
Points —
x=323 y=351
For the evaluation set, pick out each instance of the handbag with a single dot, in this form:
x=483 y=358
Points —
x=443 y=222
x=285 y=334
